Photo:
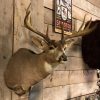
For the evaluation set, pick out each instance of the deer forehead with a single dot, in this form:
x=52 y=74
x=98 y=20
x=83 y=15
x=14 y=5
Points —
x=56 y=51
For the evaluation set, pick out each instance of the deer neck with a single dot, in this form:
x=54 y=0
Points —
x=48 y=60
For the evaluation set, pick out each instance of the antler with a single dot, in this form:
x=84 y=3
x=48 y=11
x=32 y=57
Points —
x=81 y=32
x=62 y=35
x=29 y=26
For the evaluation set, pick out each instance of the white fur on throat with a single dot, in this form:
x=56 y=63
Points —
x=48 y=67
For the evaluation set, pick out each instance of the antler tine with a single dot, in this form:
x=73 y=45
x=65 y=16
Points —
x=88 y=24
x=80 y=32
x=28 y=25
x=28 y=8
x=62 y=35
x=47 y=31
x=82 y=23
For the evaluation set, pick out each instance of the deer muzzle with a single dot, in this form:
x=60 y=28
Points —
x=63 y=57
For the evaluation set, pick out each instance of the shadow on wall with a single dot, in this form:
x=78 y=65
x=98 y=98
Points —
x=91 y=47
x=36 y=92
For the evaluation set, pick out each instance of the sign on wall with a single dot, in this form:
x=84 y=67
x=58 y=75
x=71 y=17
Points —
x=63 y=15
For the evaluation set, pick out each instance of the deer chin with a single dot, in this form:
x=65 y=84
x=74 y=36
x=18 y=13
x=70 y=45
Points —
x=61 y=61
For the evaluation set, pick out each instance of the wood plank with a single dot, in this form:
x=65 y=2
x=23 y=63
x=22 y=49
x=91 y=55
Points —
x=48 y=16
x=84 y=97
x=1 y=92
x=5 y=93
x=56 y=93
x=96 y=3
x=38 y=15
x=49 y=4
x=77 y=14
x=75 y=63
x=61 y=78
x=6 y=34
x=68 y=91
x=74 y=50
x=82 y=89
x=86 y=6
x=82 y=76
x=21 y=34
x=57 y=78
x=6 y=29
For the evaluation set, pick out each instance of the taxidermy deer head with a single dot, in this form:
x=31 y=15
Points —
x=26 y=68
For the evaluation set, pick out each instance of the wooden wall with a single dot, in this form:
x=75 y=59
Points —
x=6 y=31
x=73 y=78
x=69 y=80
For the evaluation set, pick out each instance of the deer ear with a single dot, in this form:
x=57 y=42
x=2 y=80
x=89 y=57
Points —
x=69 y=43
x=39 y=43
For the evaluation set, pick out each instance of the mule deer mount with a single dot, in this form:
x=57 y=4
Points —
x=26 y=68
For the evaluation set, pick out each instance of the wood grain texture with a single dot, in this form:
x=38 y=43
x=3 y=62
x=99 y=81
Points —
x=57 y=78
x=6 y=34
x=83 y=5
x=96 y=3
x=77 y=14
x=87 y=6
x=56 y=93
x=82 y=76
x=62 y=78
x=38 y=15
x=21 y=34
x=82 y=89
x=68 y=91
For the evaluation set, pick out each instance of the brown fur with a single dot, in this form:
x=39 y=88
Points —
x=26 y=68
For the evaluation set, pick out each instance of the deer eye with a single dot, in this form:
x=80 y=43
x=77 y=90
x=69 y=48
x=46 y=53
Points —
x=51 y=47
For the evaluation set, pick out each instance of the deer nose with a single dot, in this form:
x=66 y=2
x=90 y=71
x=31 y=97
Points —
x=63 y=57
